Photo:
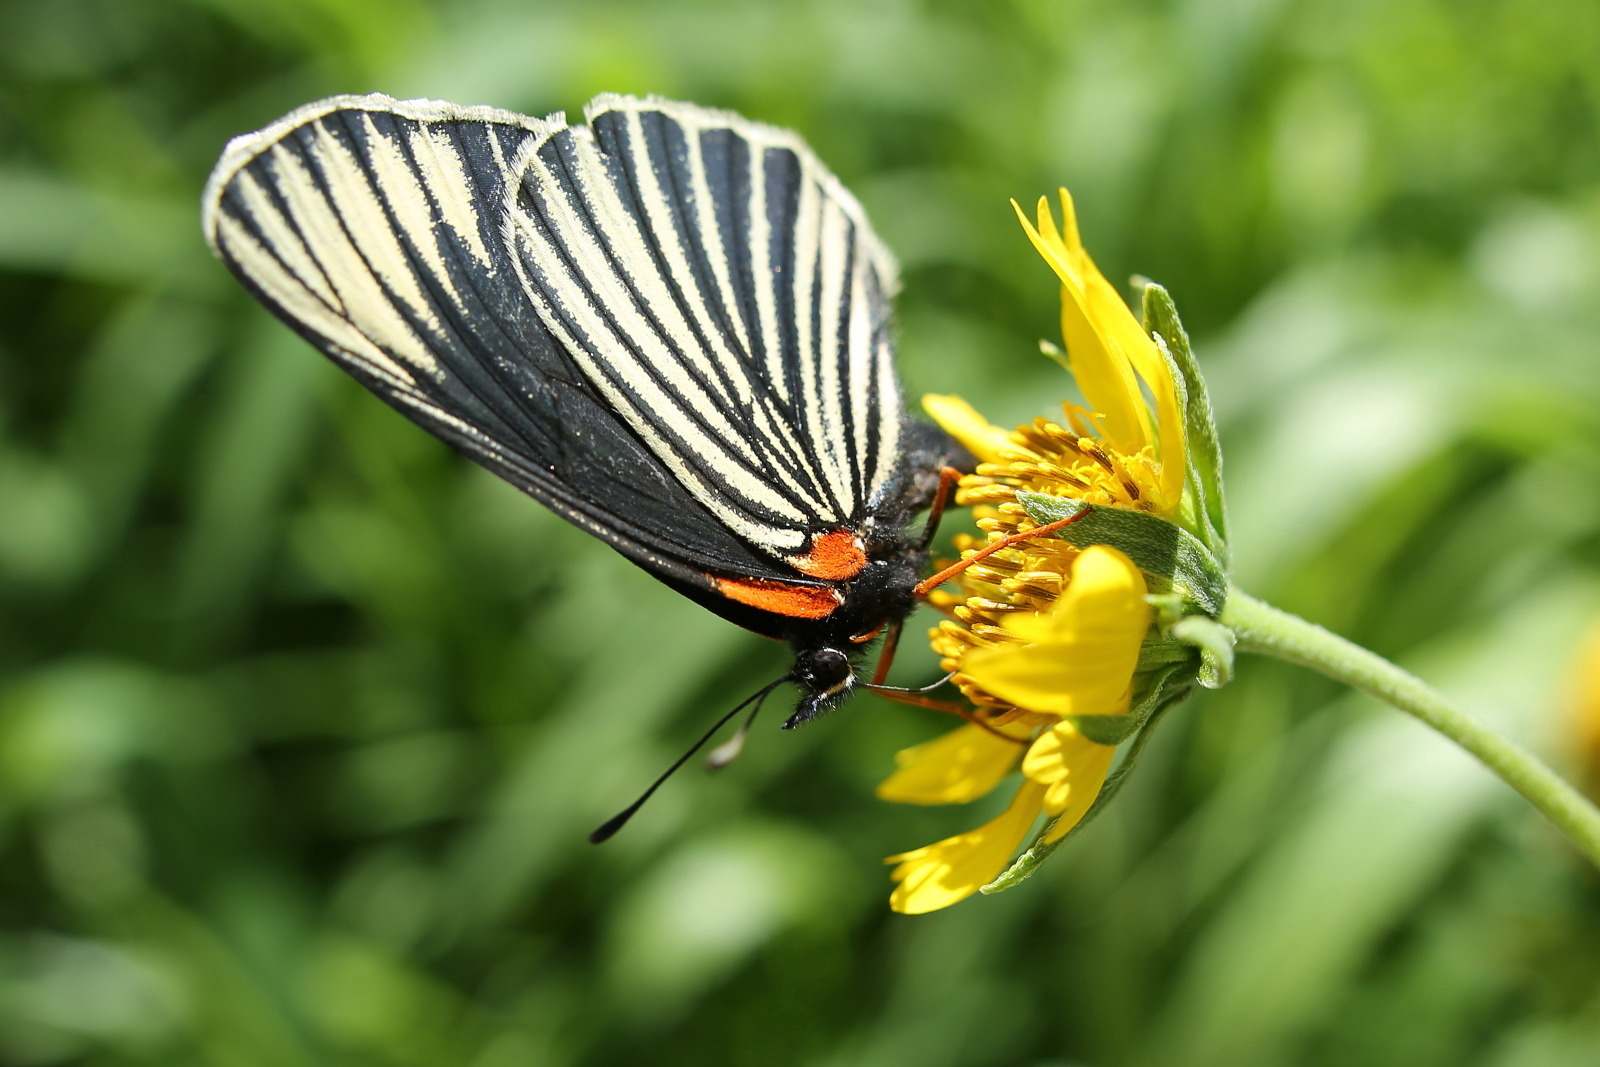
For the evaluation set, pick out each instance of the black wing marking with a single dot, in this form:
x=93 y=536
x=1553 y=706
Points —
x=375 y=228
x=725 y=294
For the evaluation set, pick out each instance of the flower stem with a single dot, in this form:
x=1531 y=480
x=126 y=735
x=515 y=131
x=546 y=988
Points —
x=1264 y=629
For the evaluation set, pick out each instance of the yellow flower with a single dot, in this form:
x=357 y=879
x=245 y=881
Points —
x=1584 y=716
x=1041 y=631
x=1126 y=452
x=1093 y=632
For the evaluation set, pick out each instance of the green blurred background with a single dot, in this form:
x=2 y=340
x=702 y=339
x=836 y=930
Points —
x=303 y=720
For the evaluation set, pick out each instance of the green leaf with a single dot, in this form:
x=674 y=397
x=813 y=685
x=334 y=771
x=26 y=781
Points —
x=1200 y=427
x=1157 y=547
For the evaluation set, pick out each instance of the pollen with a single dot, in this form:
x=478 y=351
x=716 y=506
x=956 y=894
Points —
x=1047 y=457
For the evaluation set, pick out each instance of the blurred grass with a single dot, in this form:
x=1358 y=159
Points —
x=303 y=720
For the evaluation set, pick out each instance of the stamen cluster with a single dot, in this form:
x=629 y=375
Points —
x=1042 y=457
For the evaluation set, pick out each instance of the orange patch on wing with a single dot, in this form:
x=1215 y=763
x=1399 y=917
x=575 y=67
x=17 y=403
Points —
x=833 y=556
x=780 y=598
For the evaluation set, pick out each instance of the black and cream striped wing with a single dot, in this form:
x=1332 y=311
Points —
x=725 y=293
x=670 y=326
x=375 y=229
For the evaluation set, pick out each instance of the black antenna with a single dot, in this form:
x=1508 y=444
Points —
x=620 y=819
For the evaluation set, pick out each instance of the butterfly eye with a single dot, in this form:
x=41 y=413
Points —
x=822 y=669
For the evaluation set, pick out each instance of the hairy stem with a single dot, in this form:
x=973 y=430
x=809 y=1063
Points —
x=1264 y=629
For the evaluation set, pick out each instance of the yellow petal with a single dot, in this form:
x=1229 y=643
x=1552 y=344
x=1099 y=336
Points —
x=1110 y=352
x=959 y=766
x=941 y=874
x=1081 y=654
x=1126 y=337
x=1073 y=769
x=961 y=420
x=1104 y=376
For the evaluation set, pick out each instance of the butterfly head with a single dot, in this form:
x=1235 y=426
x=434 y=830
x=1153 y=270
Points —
x=825 y=678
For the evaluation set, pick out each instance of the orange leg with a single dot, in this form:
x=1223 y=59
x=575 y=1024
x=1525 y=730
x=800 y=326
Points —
x=900 y=696
x=948 y=477
x=891 y=641
x=928 y=585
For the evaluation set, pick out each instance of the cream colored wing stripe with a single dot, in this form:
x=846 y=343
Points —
x=446 y=178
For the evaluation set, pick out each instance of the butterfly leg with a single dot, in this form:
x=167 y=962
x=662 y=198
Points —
x=948 y=477
x=928 y=585
x=891 y=641
x=902 y=696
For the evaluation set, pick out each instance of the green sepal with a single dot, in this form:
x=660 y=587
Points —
x=1108 y=730
x=1158 y=651
x=1204 y=477
x=1159 y=548
x=1162 y=696
x=1215 y=642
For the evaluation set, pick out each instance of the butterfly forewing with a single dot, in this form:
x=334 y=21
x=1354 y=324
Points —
x=669 y=325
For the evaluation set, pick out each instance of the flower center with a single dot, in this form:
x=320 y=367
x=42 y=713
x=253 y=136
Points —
x=1044 y=457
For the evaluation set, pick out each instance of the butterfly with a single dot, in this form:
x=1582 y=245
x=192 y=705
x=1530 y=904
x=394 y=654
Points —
x=670 y=325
